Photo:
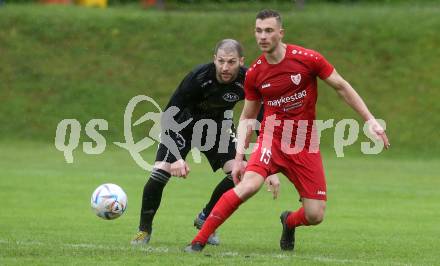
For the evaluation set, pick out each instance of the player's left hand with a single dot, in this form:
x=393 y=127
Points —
x=180 y=168
x=273 y=185
x=378 y=131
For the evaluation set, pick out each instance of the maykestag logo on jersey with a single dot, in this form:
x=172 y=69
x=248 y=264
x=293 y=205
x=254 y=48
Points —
x=288 y=99
x=296 y=79
x=231 y=97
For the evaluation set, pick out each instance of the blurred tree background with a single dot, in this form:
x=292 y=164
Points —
x=183 y=3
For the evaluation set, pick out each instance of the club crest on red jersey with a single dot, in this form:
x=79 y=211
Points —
x=296 y=79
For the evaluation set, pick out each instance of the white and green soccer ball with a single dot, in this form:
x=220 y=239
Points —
x=109 y=201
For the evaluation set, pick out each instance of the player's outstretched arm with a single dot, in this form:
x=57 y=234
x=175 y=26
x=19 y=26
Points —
x=352 y=98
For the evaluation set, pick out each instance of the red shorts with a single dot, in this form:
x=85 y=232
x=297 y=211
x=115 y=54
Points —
x=303 y=169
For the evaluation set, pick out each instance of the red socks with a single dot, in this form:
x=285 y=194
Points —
x=225 y=206
x=297 y=218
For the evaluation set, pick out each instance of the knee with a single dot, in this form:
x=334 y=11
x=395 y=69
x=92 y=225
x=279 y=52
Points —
x=246 y=190
x=315 y=217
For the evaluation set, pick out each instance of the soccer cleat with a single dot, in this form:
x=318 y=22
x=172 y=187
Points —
x=194 y=248
x=141 y=238
x=287 y=241
x=198 y=223
x=200 y=220
x=213 y=239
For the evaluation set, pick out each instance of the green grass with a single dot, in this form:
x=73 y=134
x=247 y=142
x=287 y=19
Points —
x=72 y=62
x=381 y=211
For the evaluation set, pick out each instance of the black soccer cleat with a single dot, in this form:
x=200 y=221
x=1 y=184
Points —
x=287 y=241
x=200 y=220
x=194 y=248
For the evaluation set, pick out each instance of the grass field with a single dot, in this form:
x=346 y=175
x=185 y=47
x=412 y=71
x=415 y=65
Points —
x=380 y=211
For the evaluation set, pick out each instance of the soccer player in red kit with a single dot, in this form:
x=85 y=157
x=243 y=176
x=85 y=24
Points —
x=285 y=78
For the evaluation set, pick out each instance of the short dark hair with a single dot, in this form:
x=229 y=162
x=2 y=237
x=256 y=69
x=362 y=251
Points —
x=269 y=13
x=229 y=45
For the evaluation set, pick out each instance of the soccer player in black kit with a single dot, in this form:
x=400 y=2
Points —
x=209 y=91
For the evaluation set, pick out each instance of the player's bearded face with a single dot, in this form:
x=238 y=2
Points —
x=268 y=33
x=227 y=65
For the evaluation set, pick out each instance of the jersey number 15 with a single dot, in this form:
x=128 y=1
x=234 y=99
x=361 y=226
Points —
x=265 y=155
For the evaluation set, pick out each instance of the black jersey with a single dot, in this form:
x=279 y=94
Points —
x=201 y=96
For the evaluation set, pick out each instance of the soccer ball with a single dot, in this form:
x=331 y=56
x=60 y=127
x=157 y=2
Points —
x=109 y=201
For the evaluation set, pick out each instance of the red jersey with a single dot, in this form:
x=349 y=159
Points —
x=289 y=88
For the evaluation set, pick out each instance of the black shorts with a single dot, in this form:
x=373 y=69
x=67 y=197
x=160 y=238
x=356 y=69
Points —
x=217 y=156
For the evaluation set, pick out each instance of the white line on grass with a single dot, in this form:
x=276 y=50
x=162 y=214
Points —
x=315 y=258
x=102 y=247
x=88 y=246
x=22 y=243
x=223 y=254
x=284 y=256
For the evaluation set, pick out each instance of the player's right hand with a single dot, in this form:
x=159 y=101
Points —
x=378 y=132
x=273 y=185
x=179 y=168
x=238 y=168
